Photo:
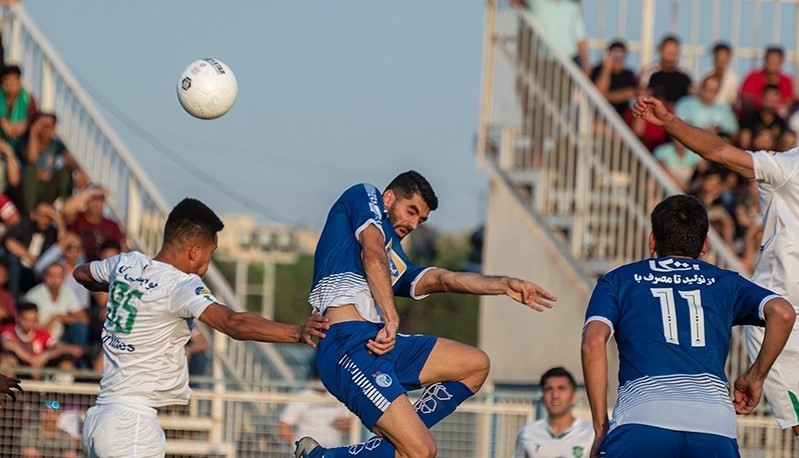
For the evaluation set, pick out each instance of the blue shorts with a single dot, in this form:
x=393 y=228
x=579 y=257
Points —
x=367 y=384
x=641 y=440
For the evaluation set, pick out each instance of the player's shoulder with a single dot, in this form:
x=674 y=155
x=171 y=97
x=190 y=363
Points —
x=537 y=428
x=582 y=426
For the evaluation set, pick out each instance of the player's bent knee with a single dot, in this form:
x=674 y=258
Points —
x=424 y=448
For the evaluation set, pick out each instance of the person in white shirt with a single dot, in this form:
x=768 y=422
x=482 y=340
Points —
x=777 y=175
x=60 y=310
x=561 y=434
x=150 y=304
x=316 y=413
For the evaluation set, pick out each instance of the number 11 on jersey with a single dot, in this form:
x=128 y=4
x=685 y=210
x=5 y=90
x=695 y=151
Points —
x=668 y=311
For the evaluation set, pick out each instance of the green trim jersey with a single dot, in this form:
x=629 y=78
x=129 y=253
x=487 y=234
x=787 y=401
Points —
x=150 y=307
x=536 y=440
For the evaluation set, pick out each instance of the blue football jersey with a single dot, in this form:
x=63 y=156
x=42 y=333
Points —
x=339 y=277
x=672 y=318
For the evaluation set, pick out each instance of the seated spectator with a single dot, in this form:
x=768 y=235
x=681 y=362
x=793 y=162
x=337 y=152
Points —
x=59 y=308
x=679 y=162
x=8 y=305
x=10 y=178
x=84 y=213
x=47 y=173
x=613 y=79
x=27 y=241
x=712 y=187
x=763 y=140
x=47 y=440
x=307 y=416
x=17 y=105
x=561 y=433
x=770 y=75
x=766 y=117
x=30 y=345
x=652 y=136
x=787 y=141
x=665 y=78
x=69 y=253
x=562 y=22
x=728 y=79
x=703 y=111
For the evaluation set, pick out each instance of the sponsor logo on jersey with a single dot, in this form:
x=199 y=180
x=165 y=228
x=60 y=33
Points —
x=383 y=380
x=578 y=451
x=396 y=265
x=113 y=342
x=374 y=206
x=205 y=293
x=670 y=265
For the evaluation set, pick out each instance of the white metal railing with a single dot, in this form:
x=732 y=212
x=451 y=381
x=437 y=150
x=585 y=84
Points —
x=135 y=201
x=485 y=426
x=544 y=126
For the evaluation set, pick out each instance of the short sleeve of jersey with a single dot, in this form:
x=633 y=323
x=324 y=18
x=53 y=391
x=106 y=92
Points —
x=363 y=206
x=775 y=168
x=190 y=298
x=604 y=304
x=408 y=281
x=103 y=270
x=750 y=300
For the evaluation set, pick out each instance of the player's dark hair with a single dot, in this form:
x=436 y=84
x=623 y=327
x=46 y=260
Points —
x=669 y=39
x=10 y=70
x=557 y=372
x=721 y=46
x=679 y=225
x=25 y=306
x=191 y=219
x=775 y=50
x=412 y=182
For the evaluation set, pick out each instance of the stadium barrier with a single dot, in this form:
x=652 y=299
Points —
x=221 y=421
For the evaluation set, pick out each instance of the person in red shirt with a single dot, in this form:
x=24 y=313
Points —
x=756 y=81
x=84 y=216
x=31 y=345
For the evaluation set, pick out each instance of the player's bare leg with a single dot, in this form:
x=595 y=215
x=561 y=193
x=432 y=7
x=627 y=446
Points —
x=451 y=361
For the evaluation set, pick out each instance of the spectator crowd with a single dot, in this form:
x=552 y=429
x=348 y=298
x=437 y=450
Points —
x=759 y=112
x=51 y=220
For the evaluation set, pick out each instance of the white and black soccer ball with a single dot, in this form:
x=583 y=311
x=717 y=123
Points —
x=207 y=89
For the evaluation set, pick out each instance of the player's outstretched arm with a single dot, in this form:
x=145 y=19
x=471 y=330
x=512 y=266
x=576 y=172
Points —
x=251 y=326
x=83 y=275
x=780 y=317
x=438 y=280
x=704 y=142
x=595 y=370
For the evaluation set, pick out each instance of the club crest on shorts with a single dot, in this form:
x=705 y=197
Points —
x=383 y=380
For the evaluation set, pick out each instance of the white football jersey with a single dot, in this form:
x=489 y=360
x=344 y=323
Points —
x=150 y=306
x=537 y=441
x=778 y=190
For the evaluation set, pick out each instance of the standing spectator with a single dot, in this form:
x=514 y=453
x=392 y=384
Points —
x=27 y=241
x=17 y=106
x=679 y=162
x=84 y=213
x=613 y=79
x=766 y=117
x=8 y=305
x=59 y=308
x=69 y=253
x=770 y=75
x=561 y=434
x=47 y=441
x=562 y=22
x=47 y=174
x=703 y=111
x=665 y=78
x=29 y=344
x=312 y=415
x=728 y=79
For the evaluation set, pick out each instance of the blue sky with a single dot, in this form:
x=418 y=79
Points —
x=330 y=94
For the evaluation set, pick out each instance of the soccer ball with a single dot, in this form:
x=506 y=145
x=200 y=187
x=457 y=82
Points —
x=207 y=89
